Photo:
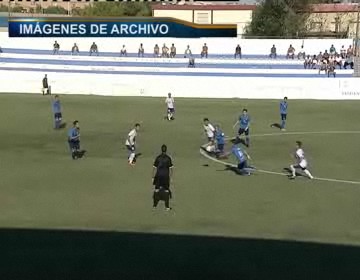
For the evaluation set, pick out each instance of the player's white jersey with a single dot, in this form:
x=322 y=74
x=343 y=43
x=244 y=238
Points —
x=130 y=141
x=300 y=157
x=170 y=102
x=209 y=130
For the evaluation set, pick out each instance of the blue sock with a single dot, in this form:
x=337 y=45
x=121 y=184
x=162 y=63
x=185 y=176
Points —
x=282 y=124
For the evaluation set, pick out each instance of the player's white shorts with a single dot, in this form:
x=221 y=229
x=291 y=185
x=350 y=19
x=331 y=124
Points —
x=302 y=164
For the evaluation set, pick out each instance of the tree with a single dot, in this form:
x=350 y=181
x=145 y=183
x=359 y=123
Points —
x=55 y=10
x=280 y=18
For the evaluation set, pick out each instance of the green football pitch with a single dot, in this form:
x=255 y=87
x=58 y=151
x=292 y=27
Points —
x=42 y=187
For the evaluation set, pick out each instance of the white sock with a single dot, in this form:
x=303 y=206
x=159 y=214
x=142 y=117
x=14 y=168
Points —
x=293 y=170
x=131 y=157
x=169 y=116
x=307 y=172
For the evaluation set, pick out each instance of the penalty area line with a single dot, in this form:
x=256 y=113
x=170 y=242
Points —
x=203 y=153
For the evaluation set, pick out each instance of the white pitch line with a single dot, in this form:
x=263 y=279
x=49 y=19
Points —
x=300 y=133
x=282 y=174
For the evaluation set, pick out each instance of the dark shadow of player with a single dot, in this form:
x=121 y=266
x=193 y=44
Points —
x=80 y=153
x=62 y=125
x=238 y=140
x=276 y=125
x=237 y=171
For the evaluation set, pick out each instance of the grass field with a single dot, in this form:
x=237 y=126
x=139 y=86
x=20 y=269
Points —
x=41 y=187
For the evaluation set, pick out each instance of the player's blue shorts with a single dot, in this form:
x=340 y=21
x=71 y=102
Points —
x=171 y=110
x=74 y=145
x=283 y=117
x=221 y=147
x=58 y=116
x=243 y=130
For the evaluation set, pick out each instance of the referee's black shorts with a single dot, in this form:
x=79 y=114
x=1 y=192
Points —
x=161 y=182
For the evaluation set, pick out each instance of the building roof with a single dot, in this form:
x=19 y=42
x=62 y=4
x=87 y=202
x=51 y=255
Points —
x=203 y=6
x=334 y=8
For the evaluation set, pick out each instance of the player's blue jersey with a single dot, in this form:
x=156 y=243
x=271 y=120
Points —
x=244 y=121
x=73 y=134
x=220 y=137
x=56 y=106
x=283 y=107
x=238 y=153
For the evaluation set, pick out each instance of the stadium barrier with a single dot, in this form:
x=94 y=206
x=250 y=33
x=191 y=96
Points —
x=180 y=86
x=224 y=46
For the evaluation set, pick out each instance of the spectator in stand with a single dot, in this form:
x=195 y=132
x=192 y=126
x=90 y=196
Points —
x=314 y=62
x=326 y=55
x=273 y=53
x=350 y=51
x=204 y=51
x=238 y=51
x=332 y=50
x=343 y=52
x=323 y=66
x=290 y=52
x=349 y=62
x=188 y=52
x=164 y=51
x=1 y=50
x=320 y=57
x=123 y=51
x=56 y=48
x=302 y=54
x=172 y=51
x=141 y=50
x=156 y=51
x=94 y=49
x=338 y=61
x=191 y=62
x=75 y=50
x=307 y=62
x=331 y=69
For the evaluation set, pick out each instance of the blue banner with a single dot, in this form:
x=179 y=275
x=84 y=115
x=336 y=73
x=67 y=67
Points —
x=110 y=27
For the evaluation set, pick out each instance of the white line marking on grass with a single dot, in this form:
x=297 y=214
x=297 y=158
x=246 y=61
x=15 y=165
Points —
x=283 y=174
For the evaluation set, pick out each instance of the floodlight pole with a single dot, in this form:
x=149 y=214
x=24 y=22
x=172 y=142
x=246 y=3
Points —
x=357 y=30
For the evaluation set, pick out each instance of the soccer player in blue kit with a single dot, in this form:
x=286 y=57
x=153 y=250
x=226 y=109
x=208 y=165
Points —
x=283 y=112
x=74 y=141
x=244 y=124
x=56 y=106
x=220 y=140
x=242 y=156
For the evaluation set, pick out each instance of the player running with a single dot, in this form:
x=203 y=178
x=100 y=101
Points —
x=244 y=126
x=220 y=140
x=301 y=162
x=283 y=112
x=170 y=102
x=242 y=156
x=209 y=130
x=130 y=144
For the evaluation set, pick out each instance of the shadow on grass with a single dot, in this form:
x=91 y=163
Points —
x=50 y=254
x=276 y=125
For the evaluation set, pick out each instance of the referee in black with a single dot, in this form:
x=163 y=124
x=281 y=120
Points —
x=162 y=174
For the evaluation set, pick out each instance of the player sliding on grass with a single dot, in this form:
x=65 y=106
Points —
x=242 y=156
x=244 y=127
x=301 y=162
x=130 y=144
x=170 y=102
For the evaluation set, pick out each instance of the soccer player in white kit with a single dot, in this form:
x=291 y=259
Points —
x=301 y=162
x=130 y=144
x=209 y=130
x=170 y=102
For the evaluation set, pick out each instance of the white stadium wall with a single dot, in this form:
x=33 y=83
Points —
x=21 y=80
x=216 y=45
